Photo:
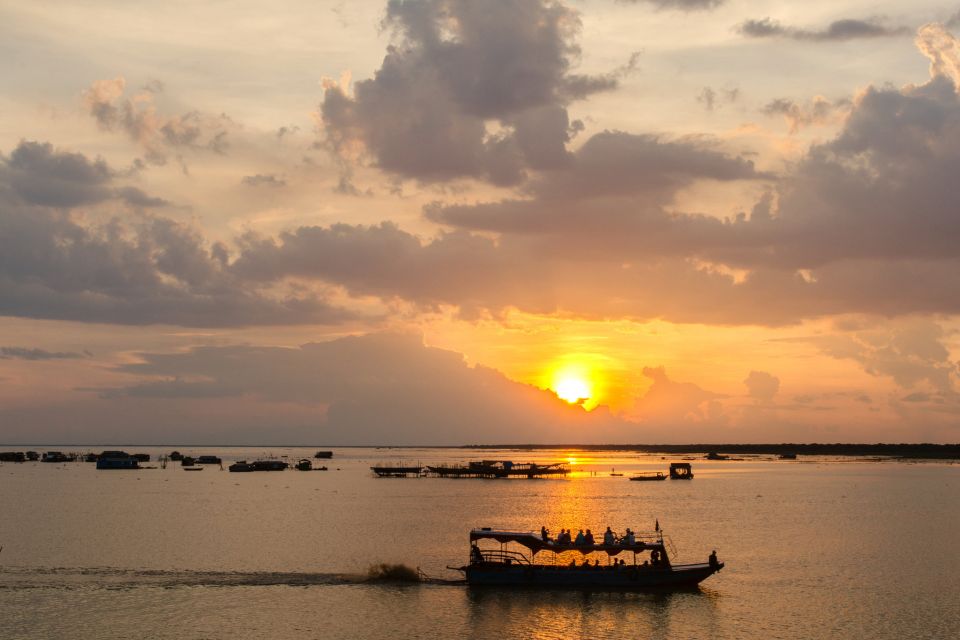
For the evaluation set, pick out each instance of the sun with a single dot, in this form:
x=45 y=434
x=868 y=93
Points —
x=572 y=387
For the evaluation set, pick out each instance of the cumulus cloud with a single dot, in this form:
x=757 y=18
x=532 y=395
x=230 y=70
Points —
x=457 y=67
x=847 y=29
x=155 y=133
x=943 y=50
x=27 y=353
x=373 y=389
x=762 y=386
x=133 y=270
x=670 y=403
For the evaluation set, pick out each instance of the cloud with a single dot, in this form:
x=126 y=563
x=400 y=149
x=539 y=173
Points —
x=39 y=175
x=943 y=50
x=264 y=180
x=762 y=386
x=711 y=99
x=668 y=402
x=847 y=29
x=134 y=269
x=24 y=353
x=682 y=5
x=455 y=68
x=817 y=111
x=375 y=389
x=156 y=134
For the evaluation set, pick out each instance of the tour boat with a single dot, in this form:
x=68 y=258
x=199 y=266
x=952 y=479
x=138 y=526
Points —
x=512 y=562
x=646 y=476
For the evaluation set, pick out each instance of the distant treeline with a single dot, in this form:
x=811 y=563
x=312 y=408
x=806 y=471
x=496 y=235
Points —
x=923 y=450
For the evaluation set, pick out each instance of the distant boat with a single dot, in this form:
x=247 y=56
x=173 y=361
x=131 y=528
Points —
x=176 y=456
x=209 y=460
x=323 y=454
x=258 y=465
x=397 y=471
x=193 y=468
x=117 y=460
x=713 y=455
x=241 y=466
x=787 y=456
x=511 y=562
x=647 y=476
x=57 y=456
x=681 y=471
x=304 y=465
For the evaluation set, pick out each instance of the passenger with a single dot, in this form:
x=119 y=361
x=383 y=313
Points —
x=586 y=562
x=544 y=534
x=475 y=555
x=714 y=563
x=631 y=538
x=588 y=539
x=596 y=563
x=573 y=563
x=580 y=540
x=608 y=537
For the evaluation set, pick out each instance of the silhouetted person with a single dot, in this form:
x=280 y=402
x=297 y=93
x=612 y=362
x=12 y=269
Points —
x=714 y=563
x=608 y=537
x=475 y=555
x=579 y=539
x=588 y=539
x=544 y=534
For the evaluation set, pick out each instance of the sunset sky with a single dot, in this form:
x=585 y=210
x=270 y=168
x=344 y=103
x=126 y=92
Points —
x=420 y=221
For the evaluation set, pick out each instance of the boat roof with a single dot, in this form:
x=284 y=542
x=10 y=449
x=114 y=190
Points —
x=532 y=540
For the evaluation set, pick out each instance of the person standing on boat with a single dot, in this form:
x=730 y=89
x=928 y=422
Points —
x=714 y=563
x=544 y=534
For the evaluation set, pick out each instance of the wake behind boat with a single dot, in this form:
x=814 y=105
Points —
x=511 y=562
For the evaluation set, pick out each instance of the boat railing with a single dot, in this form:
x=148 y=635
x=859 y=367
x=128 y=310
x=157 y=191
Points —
x=504 y=556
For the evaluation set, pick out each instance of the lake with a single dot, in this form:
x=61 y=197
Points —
x=815 y=548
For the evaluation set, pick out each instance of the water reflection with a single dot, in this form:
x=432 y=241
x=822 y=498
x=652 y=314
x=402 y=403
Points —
x=559 y=613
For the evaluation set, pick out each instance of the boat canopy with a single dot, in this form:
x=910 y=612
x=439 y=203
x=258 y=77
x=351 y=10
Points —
x=535 y=543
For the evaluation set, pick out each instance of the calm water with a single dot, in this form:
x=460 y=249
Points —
x=824 y=549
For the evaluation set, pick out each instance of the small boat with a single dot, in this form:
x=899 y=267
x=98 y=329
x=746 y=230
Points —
x=91 y=457
x=787 y=456
x=269 y=465
x=681 y=471
x=647 y=476
x=304 y=465
x=323 y=454
x=397 y=471
x=209 y=460
x=193 y=468
x=512 y=562
x=241 y=466
x=713 y=455
x=57 y=456
x=12 y=456
x=33 y=456
x=176 y=456
x=187 y=461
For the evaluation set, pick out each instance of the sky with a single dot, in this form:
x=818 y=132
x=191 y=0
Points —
x=440 y=222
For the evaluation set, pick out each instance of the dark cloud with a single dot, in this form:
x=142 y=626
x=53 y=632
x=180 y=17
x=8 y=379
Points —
x=155 y=133
x=132 y=270
x=372 y=389
x=264 y=180
x=847 y=29
x=39 y=175
x=456 y=66
x=24 y=353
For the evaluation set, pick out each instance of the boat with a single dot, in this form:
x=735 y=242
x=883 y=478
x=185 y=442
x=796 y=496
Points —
x=57 y=456
x=323 y=454
x=681 y=471
x=397 y=471
x=117 y=460
x=511 y=561
x=209 y=460
x=713 y=455
x=193 y=468
x=12 y=456
x=499 y=469
x=176 y=456
x=269 y=465
x=304 y=465
x=647 y=476
x=33 y=456
x=787 y=456
x=187 y=461
x=241 y=466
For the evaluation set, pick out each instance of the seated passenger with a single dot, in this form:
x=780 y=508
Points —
x=475 y=555
x=579 y=540
x=588 y=539
x=631 y=538
x=586 y=562
x=608 y=537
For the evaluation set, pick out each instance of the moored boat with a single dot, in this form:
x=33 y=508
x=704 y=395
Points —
x=647 y=476
x=241 y=466
x=304 y=465
x=511 y=562
x=323 y=454
x=681 y=471
x=117 y=460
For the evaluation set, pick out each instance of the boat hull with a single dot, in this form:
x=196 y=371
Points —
x=549 y=576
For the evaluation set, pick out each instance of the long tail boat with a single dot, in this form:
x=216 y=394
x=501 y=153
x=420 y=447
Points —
x=512 y=563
